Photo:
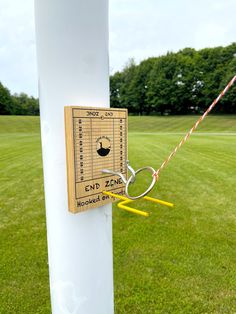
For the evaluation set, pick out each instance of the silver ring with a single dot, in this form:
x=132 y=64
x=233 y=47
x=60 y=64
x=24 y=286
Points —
x=150 y=169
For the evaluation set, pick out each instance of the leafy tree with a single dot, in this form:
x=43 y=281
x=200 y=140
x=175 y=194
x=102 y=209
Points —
x=16 y=104
x=25 y=105
x=177 y=83
x=138 y=87
x=228 y=103
x=116 y=82
x=161 y=93
x=127 y=96
x=6 y=105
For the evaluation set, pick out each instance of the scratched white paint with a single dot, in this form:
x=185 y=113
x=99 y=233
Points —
x=72 y=52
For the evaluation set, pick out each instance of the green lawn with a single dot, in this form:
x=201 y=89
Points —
x=178 y=260
x=179 y=124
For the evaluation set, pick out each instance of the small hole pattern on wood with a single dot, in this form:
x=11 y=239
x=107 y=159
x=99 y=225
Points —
x=96 y=139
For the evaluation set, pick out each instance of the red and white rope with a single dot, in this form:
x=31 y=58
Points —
x=157 y=173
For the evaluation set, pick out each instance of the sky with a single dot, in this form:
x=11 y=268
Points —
x=138 y=29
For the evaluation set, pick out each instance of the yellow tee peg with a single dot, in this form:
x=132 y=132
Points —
x=126 y=200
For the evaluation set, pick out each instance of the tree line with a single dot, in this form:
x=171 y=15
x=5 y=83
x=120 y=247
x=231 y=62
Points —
x=177 y=83
x=17 y=104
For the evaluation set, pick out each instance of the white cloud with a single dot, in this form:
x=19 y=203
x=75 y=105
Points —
x=141 y=29
x=17 y=46
x=138 y=29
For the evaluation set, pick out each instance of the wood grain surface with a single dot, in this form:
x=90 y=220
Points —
x=96 y=139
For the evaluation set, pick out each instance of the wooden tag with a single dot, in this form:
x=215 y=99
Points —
x=96 y=139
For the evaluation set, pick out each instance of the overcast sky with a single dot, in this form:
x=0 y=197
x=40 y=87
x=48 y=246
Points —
x=138 y=29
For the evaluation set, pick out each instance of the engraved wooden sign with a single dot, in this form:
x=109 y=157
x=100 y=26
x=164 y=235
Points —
x=96 y=139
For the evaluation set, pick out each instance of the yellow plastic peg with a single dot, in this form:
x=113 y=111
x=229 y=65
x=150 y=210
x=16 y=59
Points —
x=126 y=200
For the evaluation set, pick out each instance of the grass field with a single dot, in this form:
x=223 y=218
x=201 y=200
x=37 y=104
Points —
x=179 y=260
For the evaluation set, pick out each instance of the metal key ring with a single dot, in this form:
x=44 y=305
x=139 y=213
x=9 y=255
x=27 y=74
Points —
x=150 y=169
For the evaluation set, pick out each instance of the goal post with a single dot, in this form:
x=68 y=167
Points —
x=72 y=55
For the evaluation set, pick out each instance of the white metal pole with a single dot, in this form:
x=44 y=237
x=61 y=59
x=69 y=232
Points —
x=72 y=52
